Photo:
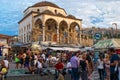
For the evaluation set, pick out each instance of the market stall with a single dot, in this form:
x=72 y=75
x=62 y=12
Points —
x=103 y=44
x=109 y=43
x=64 y=48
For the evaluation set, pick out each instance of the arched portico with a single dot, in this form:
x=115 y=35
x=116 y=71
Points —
x=74 y=33
x=51 y=30
x=37 y=30
x=63 y=32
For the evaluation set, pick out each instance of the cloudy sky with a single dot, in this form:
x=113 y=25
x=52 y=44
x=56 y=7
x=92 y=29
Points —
x=99 y=13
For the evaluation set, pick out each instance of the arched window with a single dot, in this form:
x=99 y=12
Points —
x=55 y=11
x=49 y=27
x=69 y=30
x=62 y=28
x=38 y=10
x=40 y=26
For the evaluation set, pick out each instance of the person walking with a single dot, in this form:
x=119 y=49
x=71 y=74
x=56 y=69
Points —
x=114 y=59
x=101 y=67
x=75 y=64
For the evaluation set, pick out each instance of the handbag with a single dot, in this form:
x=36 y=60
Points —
x=115 y=74
x=116 y=68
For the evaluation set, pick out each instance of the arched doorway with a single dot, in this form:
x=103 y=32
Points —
x=37 y=31
x=51 y=30
x=63 y=32
x=74 y=33
x=55 y=38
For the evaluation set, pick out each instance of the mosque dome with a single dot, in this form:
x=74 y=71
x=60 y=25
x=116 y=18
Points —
x=45 y=3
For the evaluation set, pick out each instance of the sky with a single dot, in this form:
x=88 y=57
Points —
x=98 y=13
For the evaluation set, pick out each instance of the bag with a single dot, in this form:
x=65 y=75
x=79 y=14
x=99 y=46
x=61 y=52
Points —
x=116 y=68
x=60 y=77
x=17 y=59
x=4 y=70
x=115 y=74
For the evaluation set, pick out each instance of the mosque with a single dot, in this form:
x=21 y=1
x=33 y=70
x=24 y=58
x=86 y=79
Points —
x=46 y=22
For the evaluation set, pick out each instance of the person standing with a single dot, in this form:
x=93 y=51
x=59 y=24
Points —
x=91 y=65
x=27 y=61
x=101 y=67
x=75 y=64
x=114 y=59
x=58 y=69
x=119 y=68
x=39 y=66
x=107 y=67
x=6 y=62
x=3 y=70
x=84 y=67
x=69 y=68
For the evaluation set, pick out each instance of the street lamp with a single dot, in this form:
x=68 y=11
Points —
x=115 y=25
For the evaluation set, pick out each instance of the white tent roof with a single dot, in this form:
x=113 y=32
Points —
x=108 y=43
x=65 y=48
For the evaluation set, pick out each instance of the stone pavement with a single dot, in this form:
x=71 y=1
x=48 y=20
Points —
x=19 y=75
x=95 y=75
x=39 y=77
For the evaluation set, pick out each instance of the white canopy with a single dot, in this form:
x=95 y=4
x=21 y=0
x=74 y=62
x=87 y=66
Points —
x=108 y=43
x=65 y=48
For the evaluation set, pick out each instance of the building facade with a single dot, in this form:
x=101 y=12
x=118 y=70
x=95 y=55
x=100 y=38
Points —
x=47 y=22
x=4 y=44
x=88 y=38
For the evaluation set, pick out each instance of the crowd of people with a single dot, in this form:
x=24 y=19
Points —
x=4 y=67
x=78 y=65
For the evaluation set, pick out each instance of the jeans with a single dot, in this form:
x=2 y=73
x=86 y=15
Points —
x=70 y=73
x=75 y=74
x=56 y=74
x=84 y=75
x=101 y=73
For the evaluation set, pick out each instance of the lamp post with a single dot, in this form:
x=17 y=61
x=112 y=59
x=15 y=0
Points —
x=115 y=25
